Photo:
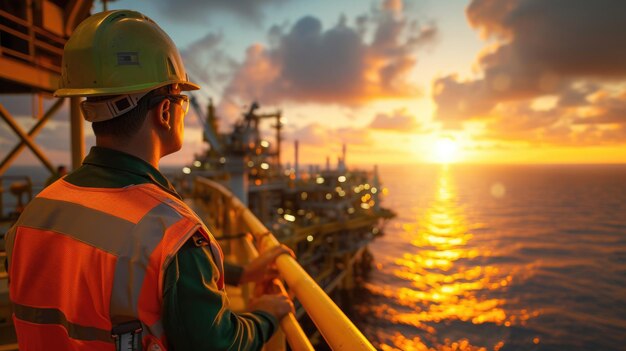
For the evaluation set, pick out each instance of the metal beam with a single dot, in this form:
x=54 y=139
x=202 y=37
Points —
x=28 y=74
x=8 y=159
x=75 y=12
x=25 y=138
x=78 y=135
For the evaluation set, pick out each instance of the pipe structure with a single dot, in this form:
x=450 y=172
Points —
x=296 y=161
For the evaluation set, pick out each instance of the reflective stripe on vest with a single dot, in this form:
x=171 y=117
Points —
x=106 y=248
x=56 y=316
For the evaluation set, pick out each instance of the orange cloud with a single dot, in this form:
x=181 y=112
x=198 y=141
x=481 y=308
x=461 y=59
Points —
x=399 y=121
x=567 y=49
x=251 y=78
x=319 y=135
x=308 y=63
x=574 y=120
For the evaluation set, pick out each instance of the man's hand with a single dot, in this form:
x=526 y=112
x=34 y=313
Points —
x=262 y=268
x=278 y=305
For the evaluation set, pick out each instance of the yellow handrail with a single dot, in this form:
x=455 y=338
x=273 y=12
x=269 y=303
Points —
x=338 y=331
x=296 y=337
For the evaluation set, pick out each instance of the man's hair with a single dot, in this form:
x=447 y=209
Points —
x=128 y=124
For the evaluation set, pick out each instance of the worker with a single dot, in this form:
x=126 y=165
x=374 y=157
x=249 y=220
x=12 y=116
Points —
x=110 y=257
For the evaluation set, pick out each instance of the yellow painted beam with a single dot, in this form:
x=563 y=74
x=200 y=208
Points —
x=27 y=74
x=26 y=139
x=10 y=157
x=9 y=347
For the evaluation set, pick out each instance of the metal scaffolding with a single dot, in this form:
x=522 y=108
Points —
x=32 y=36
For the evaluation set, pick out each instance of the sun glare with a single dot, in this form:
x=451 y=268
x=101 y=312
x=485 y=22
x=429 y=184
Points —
x=446 y=150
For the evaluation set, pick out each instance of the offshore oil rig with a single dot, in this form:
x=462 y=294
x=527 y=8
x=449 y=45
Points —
x=239 y=187
x=327 y=216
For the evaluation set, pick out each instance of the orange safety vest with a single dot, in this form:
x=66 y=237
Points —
x=83 y=260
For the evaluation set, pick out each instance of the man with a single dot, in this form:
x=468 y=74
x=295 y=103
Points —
x=109 y=257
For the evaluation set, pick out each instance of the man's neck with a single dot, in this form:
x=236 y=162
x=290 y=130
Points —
x=143 y=151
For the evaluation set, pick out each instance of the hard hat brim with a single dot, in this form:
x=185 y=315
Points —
x=68 y=92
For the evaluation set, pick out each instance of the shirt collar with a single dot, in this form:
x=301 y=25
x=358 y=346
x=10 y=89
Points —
x=121 y=161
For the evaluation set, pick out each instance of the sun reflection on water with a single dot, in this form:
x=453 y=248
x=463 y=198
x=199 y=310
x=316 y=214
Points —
x=447 y=282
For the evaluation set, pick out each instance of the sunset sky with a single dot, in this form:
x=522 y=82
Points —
x=481 y=81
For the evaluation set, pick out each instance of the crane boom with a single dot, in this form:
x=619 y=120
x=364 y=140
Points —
x=209 y=133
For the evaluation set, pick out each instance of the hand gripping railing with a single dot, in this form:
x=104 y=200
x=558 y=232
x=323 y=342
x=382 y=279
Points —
x=338 y=331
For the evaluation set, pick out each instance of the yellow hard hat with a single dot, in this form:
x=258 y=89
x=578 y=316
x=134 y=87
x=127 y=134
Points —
x=120 y=52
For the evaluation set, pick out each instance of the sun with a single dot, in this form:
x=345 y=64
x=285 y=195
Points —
x=446 y=150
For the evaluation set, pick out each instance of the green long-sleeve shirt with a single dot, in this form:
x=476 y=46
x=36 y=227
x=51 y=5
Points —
x=196 y=313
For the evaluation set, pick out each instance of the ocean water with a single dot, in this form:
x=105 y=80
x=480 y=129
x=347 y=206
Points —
x=499 y=258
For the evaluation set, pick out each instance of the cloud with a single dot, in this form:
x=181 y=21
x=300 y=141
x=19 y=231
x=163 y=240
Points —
x=567 y=49
x=399 y=121
x=588 y=117
x=607 y=108
x=342 y=65
x=202 y=10
x=576 y=95
x=457 y=101
x=563 y=37
x=519 y=122
x=207 y=62
x=319 y=135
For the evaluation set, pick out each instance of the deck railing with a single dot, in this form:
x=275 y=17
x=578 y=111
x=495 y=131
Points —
x=228 y=217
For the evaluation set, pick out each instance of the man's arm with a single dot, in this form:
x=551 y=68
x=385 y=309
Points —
x=232 y=273
x=197 y=315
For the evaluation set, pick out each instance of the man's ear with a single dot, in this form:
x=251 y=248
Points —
x=162 y=114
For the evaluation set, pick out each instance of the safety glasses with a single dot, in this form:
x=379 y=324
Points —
x=182 y=100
